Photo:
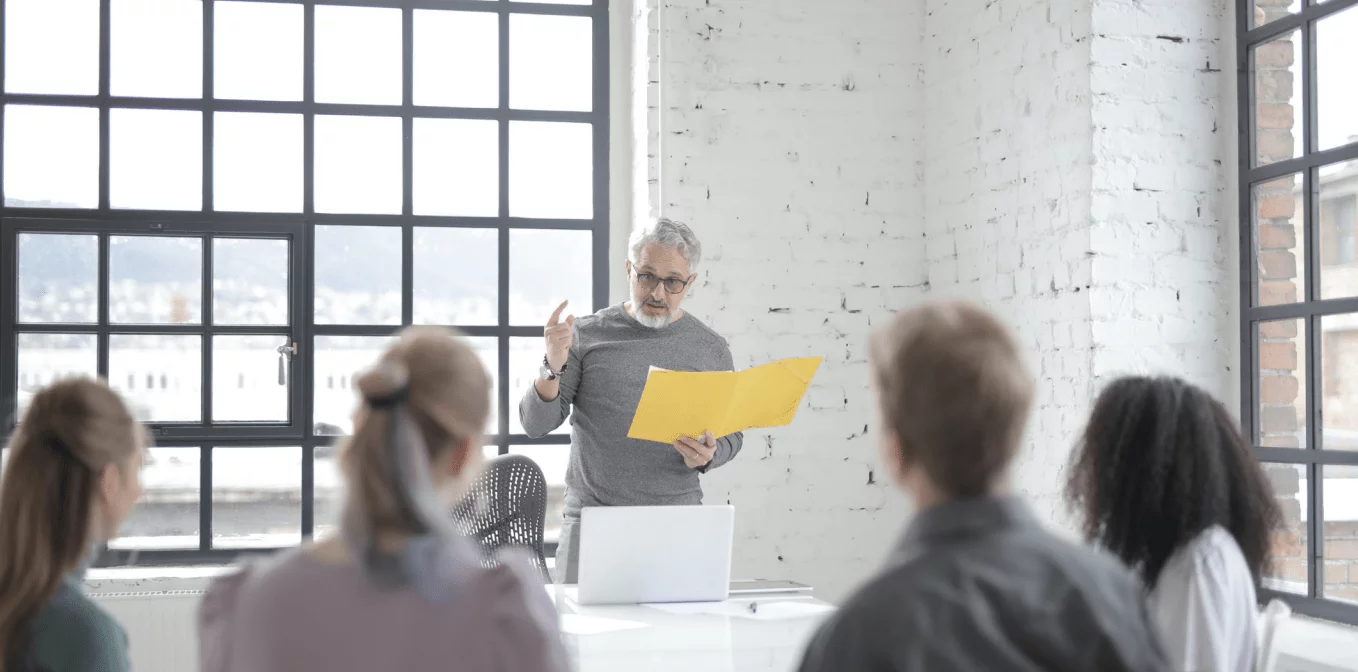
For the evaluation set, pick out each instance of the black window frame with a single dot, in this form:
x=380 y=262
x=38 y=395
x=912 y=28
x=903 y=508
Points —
x=300 y=431
x=1313 y=457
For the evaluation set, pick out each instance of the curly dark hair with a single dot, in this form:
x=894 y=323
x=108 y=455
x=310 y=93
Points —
x=1160 y=462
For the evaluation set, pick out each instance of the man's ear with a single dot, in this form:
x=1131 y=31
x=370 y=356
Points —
x=893 y=459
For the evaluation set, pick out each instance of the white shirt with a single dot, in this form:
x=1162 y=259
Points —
x=1204 y=602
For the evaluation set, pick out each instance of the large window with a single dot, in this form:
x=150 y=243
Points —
x=1299 y=273
x=227 y=208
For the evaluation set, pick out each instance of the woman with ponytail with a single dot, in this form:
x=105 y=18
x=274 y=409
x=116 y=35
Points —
x=72 y=478
x=397 y=588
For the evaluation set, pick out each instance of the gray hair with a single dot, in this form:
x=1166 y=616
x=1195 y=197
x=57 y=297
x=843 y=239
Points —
x=666 y=232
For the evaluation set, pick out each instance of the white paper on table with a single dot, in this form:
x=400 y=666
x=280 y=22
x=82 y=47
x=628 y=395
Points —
x=691 y=608
x=765 y=610
x=779 y=611
x=575 y=624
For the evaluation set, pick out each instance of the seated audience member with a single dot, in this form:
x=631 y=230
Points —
x=1165 y=480
x=397 y=588
x=72 y=478
x=975 y=583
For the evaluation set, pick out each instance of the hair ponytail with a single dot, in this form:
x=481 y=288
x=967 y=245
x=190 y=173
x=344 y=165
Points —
x=70 y=433
x=428 y=395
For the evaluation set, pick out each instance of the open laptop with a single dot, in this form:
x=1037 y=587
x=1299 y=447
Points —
x=636 y=554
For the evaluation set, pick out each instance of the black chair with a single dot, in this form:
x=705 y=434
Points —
x=505 y=507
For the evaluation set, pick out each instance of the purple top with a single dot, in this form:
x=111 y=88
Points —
x=301 y=614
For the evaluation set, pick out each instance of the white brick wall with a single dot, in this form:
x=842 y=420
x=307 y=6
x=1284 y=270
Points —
x=1006 y=186
x=1165 y=293
x=842 y=159
x=789 y=139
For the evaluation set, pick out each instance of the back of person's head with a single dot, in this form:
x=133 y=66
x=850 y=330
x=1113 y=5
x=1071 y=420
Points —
x=954 y=395
x=431 y=379
x=70 y=479
x=1160 y=462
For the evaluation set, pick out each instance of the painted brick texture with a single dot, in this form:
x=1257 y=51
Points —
x=788 y=139
x=1058 y=161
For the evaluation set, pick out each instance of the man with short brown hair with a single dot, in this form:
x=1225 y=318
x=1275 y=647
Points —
x=975 y=583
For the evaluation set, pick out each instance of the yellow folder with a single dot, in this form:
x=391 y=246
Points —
x=681 y=403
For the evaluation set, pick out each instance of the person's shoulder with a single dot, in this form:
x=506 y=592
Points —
x=71 y=613
x=704 y=331
x=875 y=620
x=264 y=578
x=75 y=629
x=609 y=317
x=1082 y=562
x=1213 y=553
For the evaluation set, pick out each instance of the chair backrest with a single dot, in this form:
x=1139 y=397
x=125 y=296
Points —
x=1270 y=623
x=505 y=507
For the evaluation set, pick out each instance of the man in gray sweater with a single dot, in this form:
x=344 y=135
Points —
x=594 y=371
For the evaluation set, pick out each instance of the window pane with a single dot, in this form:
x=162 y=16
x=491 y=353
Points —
x=338 y=359
x=256 y=497
x=160 y=376
x=358 y=165
x=358 y=55
x=546 y=268
x=52 y=47
x=456 y=276
x=457 y=167
x=47 y=358
x=51 y=157
x=525 y=362
x=156 y=48
x=328 y=492
x=166 y=516
x=1336 y=99
x=1268 y=11
x=551 y=170
x=257 y=51
x=1278 y=100
x=457 y=59
x=1338 y=195
x=156 y=159
x=58 y=278
x=257 y=162
x=358 y=275
x=250 y=380
x=155 y=280
x=250 y=281
x=1339 y=371
x=488 y=349
x=1339 y=488
x=1278 y=237
x=1282 y=384
x=1289 y=571
x=553 y=461
x=549 y=62
x=558 y=2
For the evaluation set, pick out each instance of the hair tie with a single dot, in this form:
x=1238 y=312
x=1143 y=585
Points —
x=393 y=399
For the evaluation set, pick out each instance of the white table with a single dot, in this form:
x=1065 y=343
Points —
x=692 y=642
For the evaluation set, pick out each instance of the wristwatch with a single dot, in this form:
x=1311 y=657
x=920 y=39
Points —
x=546 y=373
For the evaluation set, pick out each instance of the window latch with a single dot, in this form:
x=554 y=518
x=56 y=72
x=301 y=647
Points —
x=285 y=353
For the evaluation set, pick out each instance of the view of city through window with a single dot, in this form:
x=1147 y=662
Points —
x=176 y=237
x=1310 y=352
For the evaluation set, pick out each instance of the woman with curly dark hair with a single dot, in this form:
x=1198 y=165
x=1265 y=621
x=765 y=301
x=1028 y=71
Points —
x=1164 y=479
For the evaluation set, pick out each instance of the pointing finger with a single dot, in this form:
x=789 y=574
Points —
x=556 y=314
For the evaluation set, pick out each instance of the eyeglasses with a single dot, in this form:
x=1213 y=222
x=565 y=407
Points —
x=648 y=282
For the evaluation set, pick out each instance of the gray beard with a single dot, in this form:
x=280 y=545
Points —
x=650 y=321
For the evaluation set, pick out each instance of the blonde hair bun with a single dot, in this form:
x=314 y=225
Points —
x=387 y=379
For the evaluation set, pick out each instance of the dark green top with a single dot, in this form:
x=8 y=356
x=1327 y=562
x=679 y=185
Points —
x=73 y=634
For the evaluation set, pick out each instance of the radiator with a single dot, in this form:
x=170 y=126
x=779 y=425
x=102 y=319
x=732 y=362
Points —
x=162 y=627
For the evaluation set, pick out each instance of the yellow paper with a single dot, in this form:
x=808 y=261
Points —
x=680 y=403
